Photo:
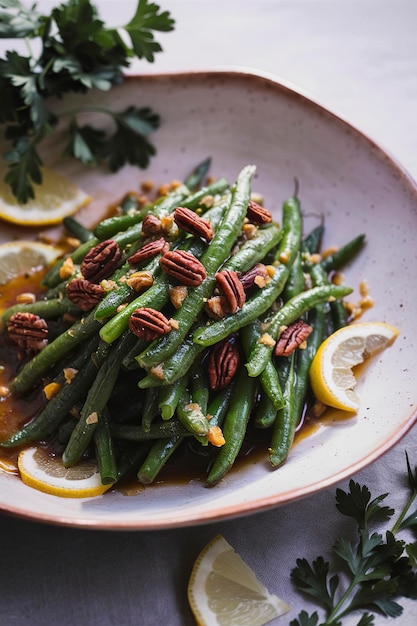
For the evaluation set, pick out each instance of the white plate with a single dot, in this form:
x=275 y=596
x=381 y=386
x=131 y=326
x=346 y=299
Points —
x=239 y=118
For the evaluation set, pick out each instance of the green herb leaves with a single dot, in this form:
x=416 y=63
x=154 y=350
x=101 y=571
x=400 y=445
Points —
x=77 y=53
x=379 y=569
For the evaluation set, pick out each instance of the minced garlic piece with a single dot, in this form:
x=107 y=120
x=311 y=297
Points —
x=270 y=270
x=73 y=242
x=329 y=251
x=147 y=186
x=51 y=390
x=157 y=371
x=216 y=437
x=266 y=340
x=337 y=278
x=261 y=281
x=108 y=285
x=26 y=298
x=284 y=257
x=67 y=268
x=174 y=323
x=249 y=230
x=314 y=258
x=69 y=374
x=92 y=418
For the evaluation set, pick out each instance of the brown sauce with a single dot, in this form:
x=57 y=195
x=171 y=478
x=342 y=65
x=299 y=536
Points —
x=184 y=466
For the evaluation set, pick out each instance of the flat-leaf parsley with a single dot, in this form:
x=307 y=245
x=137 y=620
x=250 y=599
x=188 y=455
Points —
x=378 y=569
x=77 y=53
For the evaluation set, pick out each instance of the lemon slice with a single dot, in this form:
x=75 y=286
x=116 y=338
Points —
x=46 y=473
x=224 y=591
x=54 y=199
x=331 y=375
x=20 y=257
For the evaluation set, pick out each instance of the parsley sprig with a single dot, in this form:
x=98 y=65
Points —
x=377 y=569
x=77 y=53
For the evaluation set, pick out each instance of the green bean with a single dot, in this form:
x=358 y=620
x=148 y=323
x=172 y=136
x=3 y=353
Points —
x=94 y=404
x=156 y=297
x=150 y=408
x=196 y=176
x=76 y=229
x=130 y=458
x=158 y=455
x=164 y=430
x=269 y=377
x=175 y=367
x=105 y=455
x=213 y=257
x=339 y=314
x=52 y=277
x=285 y=422
x=311 y=243
x=199 y=388
x=33 y=371
x=287 y=314
x=169 y=397
x=295 y=282
x=109 y=227
x=344 y=254
x=121 y=293
x=129 y=203
x=56 y=410
x=263 y=300
x=234 y=427
x=219 y=405
x=265 y=413
x=215 y=188
x=192 y=417
x=47 y=309
x=296 y=389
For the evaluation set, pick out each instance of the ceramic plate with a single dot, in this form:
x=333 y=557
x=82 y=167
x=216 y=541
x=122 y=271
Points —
x=239 y=118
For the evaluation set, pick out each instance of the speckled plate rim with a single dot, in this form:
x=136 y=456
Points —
x=262 y=503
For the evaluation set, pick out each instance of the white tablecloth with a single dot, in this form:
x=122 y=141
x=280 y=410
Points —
x=358 y=58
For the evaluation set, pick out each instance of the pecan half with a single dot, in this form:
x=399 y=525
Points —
x=84 y=294
x=257 y=275
x=192 y=223
x=149 y=250
x=222 y=364
x=151 y=226
x=183 y=266
x=257 y=213
x=28 y=331
x=231 y=288
x=101 y=260
x=291 y=337
x=149 y=324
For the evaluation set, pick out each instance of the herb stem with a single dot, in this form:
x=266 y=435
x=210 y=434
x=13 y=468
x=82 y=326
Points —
x=401 y=517
x=337 y=613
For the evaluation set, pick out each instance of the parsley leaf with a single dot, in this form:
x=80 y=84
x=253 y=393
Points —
x=78 y=53
x=145 y=20
x=126 y=145
x=377 y=570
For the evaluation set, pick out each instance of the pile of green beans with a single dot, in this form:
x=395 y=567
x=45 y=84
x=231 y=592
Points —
x=151 y=399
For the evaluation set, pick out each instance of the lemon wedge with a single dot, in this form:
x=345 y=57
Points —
x=224 y=591
x=21 y=257
x=331 y=375
x=46 y=473
x=55 y=198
